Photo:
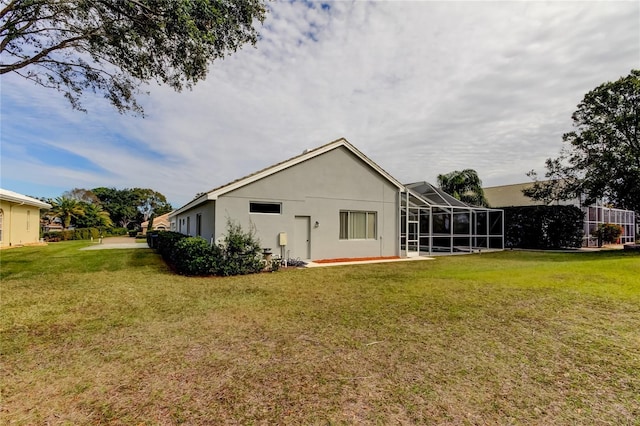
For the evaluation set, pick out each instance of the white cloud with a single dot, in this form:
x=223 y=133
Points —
x=422 y=88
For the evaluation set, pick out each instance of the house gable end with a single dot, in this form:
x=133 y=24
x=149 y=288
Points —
x=305 y=156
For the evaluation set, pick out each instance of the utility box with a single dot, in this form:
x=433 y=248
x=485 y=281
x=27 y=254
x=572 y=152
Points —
x=282 y=238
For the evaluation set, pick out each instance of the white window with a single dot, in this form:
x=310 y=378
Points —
x=357 y=225
x=28 y=219
x=267 y=208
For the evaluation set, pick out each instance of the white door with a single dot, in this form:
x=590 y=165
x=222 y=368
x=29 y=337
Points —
x=302 y=238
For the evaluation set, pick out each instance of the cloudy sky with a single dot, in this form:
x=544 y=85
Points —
x=421 y=88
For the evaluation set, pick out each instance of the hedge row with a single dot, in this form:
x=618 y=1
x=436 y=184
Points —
x=239 y=254
x=82 y=234
x=543 y=227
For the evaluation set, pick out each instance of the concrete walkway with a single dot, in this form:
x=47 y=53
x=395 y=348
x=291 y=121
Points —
x=116 y=243
x=363 y=262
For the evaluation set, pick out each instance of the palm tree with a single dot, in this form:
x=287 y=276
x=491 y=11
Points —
x=94 y=216
x=464 y=185
x=66 y=208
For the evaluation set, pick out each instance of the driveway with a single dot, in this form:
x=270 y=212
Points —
x=116 y=243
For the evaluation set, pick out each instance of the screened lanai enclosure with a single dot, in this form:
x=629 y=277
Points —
x=432 y=221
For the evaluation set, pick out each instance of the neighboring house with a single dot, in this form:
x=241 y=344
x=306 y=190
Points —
x=52 y=227
x=50 y=224
x=19 y=219
x=160 y=223
x=595 y=214
x=329 y=202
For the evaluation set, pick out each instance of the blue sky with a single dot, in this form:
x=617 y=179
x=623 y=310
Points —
x=421 y=88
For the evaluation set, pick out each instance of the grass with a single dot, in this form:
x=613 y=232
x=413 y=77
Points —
x=112 y=337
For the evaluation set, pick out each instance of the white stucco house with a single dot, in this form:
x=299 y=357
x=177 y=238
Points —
x=331 y=202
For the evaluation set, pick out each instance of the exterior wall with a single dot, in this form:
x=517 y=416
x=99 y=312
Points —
x=319 y=189
x=20 y=224
x=207 y=230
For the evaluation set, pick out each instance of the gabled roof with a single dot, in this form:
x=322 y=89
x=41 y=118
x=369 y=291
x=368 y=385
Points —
x=261 y=174
x=14 y=197
x=164 y=218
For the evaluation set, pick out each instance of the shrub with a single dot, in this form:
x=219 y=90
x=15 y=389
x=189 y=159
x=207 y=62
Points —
x=543 y=227
x=115 y=231
x=72 y=234
x=194 y=256
x=608 y=233
x=187 y=255
x=165 y=243
x=240 y=252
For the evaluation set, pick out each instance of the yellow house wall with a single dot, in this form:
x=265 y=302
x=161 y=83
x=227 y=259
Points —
x=20 y=224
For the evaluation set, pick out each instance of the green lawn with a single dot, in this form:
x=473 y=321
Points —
x=111 y=336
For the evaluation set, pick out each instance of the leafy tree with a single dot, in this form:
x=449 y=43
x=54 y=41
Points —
x=82 y=195
x=66 y=209
x=602 y=159
x=132 y=205
x=121 y=204
x=113 y=46
x=151 y=203
x=464 y=185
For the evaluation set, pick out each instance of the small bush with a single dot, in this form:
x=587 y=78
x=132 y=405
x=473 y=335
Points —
x=165 y=243
x=275 y=264
x=75 y=234
x=239 y=254
x=115 y=231
x=608 y=233
x=194 y=256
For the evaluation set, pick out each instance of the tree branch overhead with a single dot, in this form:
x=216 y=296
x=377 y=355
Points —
x=172 y=42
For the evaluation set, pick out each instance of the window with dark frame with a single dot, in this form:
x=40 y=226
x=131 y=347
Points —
x=199 y=224
x=265 y=208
